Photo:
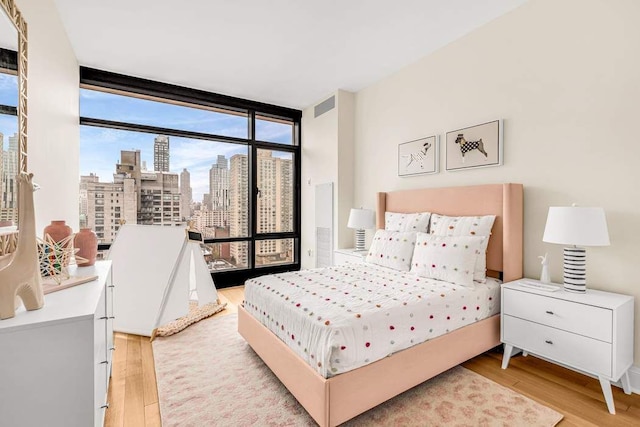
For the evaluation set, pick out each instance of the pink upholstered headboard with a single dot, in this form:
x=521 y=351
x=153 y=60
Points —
x=505 y=201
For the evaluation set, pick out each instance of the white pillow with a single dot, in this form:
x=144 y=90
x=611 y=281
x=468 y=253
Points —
x=416 y=222
x=392 y=249
x=442 y=225
x=448 y=258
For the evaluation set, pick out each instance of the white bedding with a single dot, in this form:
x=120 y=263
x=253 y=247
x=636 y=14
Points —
x=340 y=318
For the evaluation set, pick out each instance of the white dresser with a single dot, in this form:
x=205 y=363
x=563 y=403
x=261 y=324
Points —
x=346 y=256
x=55 y=362
x=590 y=332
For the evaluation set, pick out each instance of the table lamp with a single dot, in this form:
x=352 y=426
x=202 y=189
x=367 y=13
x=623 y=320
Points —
x=576 y=226
x=360 y=220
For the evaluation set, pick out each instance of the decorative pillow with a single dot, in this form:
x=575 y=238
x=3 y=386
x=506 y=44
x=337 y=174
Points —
x=392 y=249
x=448 y=258
x=416 y=222
x=466 y=226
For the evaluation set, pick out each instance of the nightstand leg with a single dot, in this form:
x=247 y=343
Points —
x=525 y=353
x=608 y=395
x=626 y=384
x=506 y=356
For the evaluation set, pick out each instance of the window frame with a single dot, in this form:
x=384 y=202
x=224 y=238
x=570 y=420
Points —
x=105 y=81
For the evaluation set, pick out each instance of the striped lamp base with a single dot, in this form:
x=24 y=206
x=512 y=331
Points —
x=360 y=237
x=575 y=272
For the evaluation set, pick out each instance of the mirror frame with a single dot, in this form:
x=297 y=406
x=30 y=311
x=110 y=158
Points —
x=12 y=11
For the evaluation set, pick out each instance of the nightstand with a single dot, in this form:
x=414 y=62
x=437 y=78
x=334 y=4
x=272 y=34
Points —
x=590 y=332
x=348 y=256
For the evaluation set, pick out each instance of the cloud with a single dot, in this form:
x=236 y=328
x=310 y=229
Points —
x=100 y=147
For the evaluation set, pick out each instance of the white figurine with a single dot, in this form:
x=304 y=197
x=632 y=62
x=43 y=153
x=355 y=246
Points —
x=545 y=277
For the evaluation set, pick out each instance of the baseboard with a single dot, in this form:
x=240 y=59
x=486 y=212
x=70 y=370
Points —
x=634 y=379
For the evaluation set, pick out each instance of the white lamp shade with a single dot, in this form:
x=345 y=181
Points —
x=575 y=225
x=362 y=219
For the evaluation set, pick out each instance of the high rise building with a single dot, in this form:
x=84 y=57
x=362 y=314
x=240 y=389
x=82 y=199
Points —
x=186 y=195
x=84 y=197
x=206 y=202
x=239 y=206
x=219 y=184
x=135 y=196
x=8 y=183
x=161 y=153
x=1 y=173
x=160 y=199
x=218 y=200
x=157 y=193
x=274 y=210
x=107 y=204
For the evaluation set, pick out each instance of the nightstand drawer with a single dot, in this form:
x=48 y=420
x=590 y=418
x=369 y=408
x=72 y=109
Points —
x=587 y=320
x=571 y=349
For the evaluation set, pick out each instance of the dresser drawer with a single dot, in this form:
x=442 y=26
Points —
x=571 y=349
x=587 y=320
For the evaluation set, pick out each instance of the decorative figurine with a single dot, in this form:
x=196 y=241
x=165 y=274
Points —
x=545 y=277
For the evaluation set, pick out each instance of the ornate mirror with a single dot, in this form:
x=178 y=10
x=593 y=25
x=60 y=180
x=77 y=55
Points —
x=13 y=107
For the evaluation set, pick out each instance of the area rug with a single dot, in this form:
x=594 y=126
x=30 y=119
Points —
x=209 y=376
x=196 y=314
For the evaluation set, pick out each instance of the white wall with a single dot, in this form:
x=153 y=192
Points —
x=53 y=130
x=564 y=76
x=327 y=156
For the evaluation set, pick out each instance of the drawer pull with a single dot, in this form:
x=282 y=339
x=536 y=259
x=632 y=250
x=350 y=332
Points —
x=548 y=341
x=103 y=318
x=549 y=312
x=111 y=286
x=113 y=348
x=105 y=406
x=111 y=317
x=103 y=362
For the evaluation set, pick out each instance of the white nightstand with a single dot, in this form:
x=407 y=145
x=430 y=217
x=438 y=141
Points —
x=348 y=256
x=590 y=332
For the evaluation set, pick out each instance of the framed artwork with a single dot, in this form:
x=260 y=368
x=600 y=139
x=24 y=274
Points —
x=474 y=147
x=419 y=156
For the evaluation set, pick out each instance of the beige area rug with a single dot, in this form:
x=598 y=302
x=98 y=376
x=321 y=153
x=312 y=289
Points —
x=209 y=376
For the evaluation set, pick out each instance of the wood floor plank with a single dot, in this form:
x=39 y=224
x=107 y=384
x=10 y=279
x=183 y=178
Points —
x=233 y=297
x=148 y=372
x=114 y=415
x=134 y=387
x=152 y=415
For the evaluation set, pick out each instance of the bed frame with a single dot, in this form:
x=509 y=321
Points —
x=332 y=401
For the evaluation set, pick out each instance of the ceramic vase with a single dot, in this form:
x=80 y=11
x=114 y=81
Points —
x=87 y=243
x=58 y=230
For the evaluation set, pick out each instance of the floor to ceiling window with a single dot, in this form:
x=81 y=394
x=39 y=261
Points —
x=158 y=154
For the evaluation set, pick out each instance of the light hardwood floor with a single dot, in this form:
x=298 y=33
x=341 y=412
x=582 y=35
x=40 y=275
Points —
x=133 y=394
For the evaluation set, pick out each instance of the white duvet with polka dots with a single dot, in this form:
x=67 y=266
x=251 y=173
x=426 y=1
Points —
x=341 y=318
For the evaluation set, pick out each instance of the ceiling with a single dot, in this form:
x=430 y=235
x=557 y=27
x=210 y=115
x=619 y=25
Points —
x=284 y=52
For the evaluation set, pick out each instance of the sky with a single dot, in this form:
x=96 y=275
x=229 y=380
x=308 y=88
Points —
x=100 y=147
x=8 y=96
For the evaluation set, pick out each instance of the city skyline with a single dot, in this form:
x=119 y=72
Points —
x=100 y=147
x=142 y=196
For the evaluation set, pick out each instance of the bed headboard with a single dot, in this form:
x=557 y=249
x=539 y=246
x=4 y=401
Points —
x=505 y=201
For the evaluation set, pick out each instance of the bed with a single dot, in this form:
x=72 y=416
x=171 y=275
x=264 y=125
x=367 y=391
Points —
x=334 y=400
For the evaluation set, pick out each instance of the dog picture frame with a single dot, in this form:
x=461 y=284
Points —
x=419 y=157
x=475 y=146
